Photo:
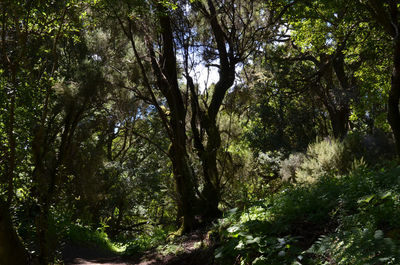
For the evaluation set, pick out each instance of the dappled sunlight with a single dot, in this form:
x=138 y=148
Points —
x=201 y=132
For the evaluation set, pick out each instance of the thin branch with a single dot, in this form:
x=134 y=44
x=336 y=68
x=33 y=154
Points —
x=157 y=145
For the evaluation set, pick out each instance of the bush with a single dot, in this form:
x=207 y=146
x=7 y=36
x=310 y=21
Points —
x=92 y=238
x=358 y=246
x=374 y=148
x=327 y=157
x=253 y=179
x=354 y=219
x=289 y=166
x=146 y=241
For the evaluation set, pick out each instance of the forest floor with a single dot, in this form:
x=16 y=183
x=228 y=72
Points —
x=195 y=249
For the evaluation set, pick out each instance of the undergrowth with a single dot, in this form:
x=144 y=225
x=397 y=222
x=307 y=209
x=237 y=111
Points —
x=93 y=238
x=155 y=237
x=352 y=219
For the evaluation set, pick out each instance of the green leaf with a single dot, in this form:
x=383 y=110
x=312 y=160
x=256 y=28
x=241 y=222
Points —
x=253 y=240
x=378 y=234
x=260 y=261
x=366 y=199
x=240 y=246
x=233 y=229
x=386 y=195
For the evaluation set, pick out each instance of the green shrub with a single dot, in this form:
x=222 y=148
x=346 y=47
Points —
x=373 y=148
x=359 y=246
x=146 y=241
x=354 y=219
x=84 y=235
x=323 y=158
x=289 y=166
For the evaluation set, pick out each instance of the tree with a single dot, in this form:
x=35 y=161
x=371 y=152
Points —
x=30 y=37
x=237 y=28
x=387 y=15
x=165 y=81
x=330 y=37
x=234 y=38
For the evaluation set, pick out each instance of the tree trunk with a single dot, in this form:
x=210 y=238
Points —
x=187 y=202
x=47 y=176
x=388 y=17
x=168 y=83
x=41 y=191
x=211 y=193
x=42 y=225
x=12 y=251
x=43 y=194
x=207 y=152
x=339 y=121
x=394 y=97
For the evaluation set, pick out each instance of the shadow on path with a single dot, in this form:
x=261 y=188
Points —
x=98 y=261
x=83 y=255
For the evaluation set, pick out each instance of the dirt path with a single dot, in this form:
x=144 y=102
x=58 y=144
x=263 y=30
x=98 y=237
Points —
x=104 y=261
x=195 y=250
x=83 y=255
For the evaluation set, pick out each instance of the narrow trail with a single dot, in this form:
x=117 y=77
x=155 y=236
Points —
x=191 y=254
x=83 y=255
x=98 y=261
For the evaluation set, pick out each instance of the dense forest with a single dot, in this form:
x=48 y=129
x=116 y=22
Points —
x=199 y=132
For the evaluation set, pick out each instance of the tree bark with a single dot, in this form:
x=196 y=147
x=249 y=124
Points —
x=211 y=194
x=339 y=121
x=394 y=96
x=184 y=179
x=167 y=81
x=12 y=251
x=212 y=188
x=187 y=202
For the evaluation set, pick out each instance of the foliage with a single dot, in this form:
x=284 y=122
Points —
x=289 y=166
x=86 y=236
x=155 y=237
x=252 y=177
x=374 y=148
x=106 y=127
x=323 y=158
x=279 y=122
x=348 y=220
x=335 y=157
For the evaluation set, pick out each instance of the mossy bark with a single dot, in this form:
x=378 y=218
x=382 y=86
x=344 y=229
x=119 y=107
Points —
x=184 y=182
x=167 y=78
